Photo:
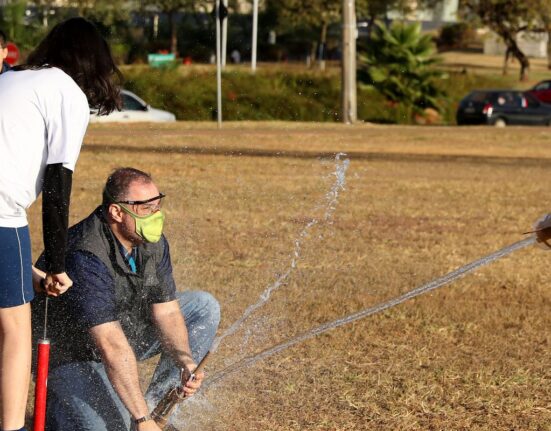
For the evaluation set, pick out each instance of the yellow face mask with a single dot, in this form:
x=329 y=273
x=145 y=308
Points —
x=150 y=227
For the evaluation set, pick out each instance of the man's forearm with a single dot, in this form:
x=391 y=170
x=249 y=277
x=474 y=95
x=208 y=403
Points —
x=122 y=369
x=173 y=331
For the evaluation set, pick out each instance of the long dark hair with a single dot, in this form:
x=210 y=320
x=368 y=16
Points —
x=77 y=47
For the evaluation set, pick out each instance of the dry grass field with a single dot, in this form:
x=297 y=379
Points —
x=418 y=203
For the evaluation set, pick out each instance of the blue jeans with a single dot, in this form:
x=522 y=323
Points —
x=81 y=397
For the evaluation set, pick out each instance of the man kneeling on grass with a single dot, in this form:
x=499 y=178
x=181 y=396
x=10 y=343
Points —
x=123 y=308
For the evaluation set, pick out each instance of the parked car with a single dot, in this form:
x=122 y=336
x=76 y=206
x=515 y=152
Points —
x=134 y=109
x=503 y=107
x=542 y=91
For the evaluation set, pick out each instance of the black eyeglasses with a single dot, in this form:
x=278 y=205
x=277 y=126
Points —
x=161 y=195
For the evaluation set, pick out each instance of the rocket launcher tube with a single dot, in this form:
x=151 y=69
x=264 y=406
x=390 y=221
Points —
x=162 y=412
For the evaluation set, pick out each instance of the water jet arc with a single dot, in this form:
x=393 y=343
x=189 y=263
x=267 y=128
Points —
x=432 y=285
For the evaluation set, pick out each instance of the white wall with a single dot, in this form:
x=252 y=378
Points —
x=532 y=44
x=444 y=12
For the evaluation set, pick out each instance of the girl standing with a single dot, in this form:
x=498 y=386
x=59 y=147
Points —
x=44 y=112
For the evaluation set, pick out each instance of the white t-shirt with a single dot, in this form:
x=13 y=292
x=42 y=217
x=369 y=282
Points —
x=43 y=118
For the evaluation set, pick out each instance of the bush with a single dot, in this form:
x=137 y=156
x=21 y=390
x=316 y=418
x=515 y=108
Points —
x=400 y=63
x=262 y=96
x=456 y=36
x=278 y=95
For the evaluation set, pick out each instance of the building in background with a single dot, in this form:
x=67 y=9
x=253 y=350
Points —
x=444 y=12
x=530 y=43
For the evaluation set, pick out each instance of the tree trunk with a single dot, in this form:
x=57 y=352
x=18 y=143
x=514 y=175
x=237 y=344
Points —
x=516 y=52
x=370 y=25
x=506 y=61
x=549 y=48
x=172 y=16
x=322 y=46
x=523 y=60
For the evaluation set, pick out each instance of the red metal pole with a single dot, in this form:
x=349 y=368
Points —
x=41 y=387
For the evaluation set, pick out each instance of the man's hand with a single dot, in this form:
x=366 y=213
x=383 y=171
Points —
x=191 y=386
x=148 y=426
x=57 y=284
x=542 y=229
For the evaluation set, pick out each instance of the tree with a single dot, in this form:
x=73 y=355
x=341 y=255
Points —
x=320 y=14
x=400 y=63
x=171 y=8
x=317 y=14
x=109 y=14
x=379 y=9
x=15 y=24
x=507 y=18
x=542 y=9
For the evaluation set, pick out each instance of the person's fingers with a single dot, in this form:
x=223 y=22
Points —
x=62 y=288
x=194 y=384
x=189 y=392
x=52 y=293
x=55 y=288
x=59 y=286
x=39 y=286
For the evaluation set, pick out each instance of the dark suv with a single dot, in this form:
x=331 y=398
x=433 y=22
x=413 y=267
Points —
x=503 y=107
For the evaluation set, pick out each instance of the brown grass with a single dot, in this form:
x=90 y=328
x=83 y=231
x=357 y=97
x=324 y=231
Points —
x=418 y=203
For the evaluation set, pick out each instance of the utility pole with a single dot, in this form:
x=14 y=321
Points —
x=255 y=35
x=349 y=35
x=218 y=62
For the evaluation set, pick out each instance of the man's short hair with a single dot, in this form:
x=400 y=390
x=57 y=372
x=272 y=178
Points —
x=117 y=184
x=3 y=39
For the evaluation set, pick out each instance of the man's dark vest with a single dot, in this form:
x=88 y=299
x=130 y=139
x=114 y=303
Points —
x=133 y=291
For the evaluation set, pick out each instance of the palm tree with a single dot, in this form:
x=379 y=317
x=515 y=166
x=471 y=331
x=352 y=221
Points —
x=400 y=63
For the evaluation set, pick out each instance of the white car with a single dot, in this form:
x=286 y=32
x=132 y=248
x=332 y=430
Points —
x=134 y=109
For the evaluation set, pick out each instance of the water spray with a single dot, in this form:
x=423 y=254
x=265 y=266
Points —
x=162 y=412
x=425 y=288
x=165 y=407
x=331 y=199
x=41 y=388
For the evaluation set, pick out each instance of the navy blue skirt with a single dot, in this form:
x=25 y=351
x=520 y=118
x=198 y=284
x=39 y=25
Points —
x=16 y=286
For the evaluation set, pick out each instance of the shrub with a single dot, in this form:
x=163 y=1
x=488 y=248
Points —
x=456 y=36
x=400 y=63
x=262 y=96
x=278 y=95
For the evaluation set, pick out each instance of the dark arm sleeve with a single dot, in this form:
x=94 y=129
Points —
x=56 y=195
